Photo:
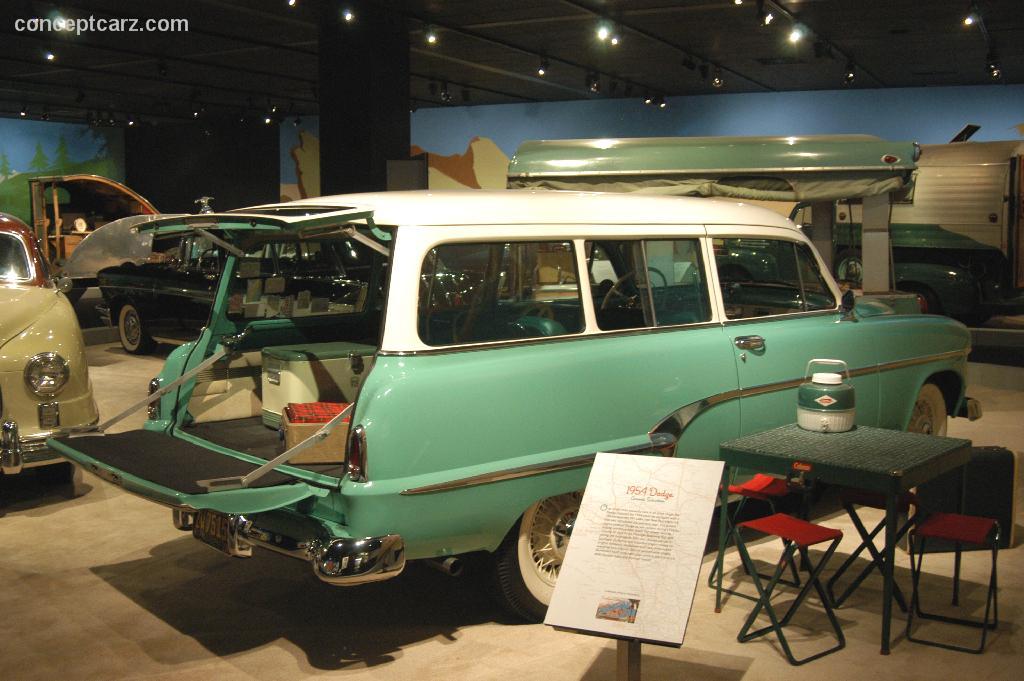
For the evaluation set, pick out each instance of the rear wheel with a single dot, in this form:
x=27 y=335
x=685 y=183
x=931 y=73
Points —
x=131 y=332
x=929 y=415
x=527 y=563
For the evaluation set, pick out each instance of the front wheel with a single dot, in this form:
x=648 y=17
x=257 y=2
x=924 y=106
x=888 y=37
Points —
x=929 y=415
x=131 y=332
x=850 y=267
x=527 y=563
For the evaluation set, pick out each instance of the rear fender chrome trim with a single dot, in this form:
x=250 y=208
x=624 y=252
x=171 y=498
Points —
x=663 y=443
x=677 y=422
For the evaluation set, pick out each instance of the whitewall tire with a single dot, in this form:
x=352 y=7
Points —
x=131 y=332
x=929 y=415
x=527 y=563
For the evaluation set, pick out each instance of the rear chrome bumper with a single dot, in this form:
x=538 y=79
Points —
x=341 y=561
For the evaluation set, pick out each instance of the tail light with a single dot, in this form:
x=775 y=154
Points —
x=355 y=462
x=153 y=410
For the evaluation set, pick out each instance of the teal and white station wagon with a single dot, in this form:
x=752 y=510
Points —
x=481 y=347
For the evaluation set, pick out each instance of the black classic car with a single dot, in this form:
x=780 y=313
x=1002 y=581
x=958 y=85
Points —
x=166 y=298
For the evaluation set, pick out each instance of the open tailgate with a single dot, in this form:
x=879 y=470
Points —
x=167 y=470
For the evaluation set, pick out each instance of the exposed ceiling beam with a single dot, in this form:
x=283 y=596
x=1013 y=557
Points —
x=193 y=85
x=532 y=53
x=491 y=69
x=632 y=28
x=154 y=57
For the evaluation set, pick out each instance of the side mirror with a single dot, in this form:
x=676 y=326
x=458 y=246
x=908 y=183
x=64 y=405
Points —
x=63 y=284
x=846 y=304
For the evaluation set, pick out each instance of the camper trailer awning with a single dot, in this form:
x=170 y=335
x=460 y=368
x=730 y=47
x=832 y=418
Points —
x=811 y=168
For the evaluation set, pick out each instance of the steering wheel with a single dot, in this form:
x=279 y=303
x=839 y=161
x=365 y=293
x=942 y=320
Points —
x=664 y=279
x=538 y=310
x=616 y=291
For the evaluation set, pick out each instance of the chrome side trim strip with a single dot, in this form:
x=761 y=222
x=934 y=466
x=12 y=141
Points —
x=658 y=441
x=584 y=335
x=676 y=422
x=667 y=431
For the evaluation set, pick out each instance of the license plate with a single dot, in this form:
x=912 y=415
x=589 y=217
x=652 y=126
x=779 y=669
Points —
x=214 y=529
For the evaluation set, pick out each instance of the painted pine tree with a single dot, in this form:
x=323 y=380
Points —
x=39 y=162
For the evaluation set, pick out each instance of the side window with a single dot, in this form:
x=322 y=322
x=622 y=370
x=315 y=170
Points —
x=765 y=277
x=479 y=292
x=638 y=284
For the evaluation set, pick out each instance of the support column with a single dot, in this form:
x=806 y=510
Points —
x=363 y=95
x=822 y=220
x=875 y=244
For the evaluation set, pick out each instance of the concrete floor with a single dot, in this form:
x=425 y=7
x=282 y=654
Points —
x=97 y=584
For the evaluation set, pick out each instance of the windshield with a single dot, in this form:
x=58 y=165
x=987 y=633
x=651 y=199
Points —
x=14 y=265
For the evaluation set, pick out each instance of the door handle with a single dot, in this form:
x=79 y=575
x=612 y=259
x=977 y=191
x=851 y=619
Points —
x=749 y=342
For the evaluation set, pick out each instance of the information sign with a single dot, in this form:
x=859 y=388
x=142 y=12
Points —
x=632 y=565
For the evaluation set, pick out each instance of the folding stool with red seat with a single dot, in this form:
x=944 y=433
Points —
x=959 y=529
x=797 y=535
x=764 y=488
x=855 y=497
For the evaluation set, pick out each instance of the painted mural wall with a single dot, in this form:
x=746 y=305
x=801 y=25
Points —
x=471 y=146
x=37 y=148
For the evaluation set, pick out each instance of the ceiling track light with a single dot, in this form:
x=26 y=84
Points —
x=593 y=82
x=648 y=98
x=130 y=122
x=24 y=111
x=348 y=15
x=543 y=67
x=660 y=102
x=973 y=16
x=717 y=81
x=291 y=3
x=45 y=116
x=430 y=36
x=850 y=73
x=606 y=33
x=446 y=96
x=995 y=71
x=764 y=16
x=797 y=33
x=50 y=55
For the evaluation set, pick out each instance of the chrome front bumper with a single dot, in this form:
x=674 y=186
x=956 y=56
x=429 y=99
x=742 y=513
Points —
x=17 y=453
x=341 y=561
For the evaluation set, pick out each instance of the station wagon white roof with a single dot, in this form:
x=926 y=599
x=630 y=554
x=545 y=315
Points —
x=524 y=207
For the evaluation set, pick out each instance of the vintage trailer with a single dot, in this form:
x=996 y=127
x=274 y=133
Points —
x=513 y=336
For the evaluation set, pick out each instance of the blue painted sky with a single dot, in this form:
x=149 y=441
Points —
x=18 y=140
x=926 y=115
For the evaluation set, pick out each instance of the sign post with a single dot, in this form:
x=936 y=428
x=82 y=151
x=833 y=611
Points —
x=631 y=569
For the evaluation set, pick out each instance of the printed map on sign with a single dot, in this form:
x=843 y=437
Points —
x=632 y=565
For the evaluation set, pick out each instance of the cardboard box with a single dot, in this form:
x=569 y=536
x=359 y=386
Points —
x=330 y=451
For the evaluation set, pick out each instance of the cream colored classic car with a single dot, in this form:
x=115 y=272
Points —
x=44 y=380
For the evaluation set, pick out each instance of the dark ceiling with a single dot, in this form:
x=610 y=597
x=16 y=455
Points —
x=241 y=58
